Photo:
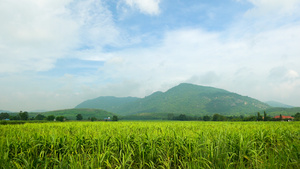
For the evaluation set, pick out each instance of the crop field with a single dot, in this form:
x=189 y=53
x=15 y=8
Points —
x=152 y=144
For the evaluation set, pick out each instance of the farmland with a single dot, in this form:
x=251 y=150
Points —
x=152 y=144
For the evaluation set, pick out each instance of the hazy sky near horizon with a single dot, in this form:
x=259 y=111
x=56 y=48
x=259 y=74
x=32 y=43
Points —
x=55 y=54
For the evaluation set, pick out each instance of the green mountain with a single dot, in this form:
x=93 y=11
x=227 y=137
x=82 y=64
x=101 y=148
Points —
x=277 y=104
x=109 y=103
x=185 y=98
x=71 y=113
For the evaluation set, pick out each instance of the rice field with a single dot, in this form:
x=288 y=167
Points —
x=155 y=144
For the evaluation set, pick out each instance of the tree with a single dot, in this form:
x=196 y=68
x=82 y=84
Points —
x=280 y=117
x=4 y=116
x=170 y=116
x=60 y=118
x=206 y=118
x=39 y=117
x=79 y=117
x=297 y=117
x=93 y=119
x=215 y=117
x=115 y=118
x=23 y=115
x=250 y=118
x=50 y=118
x=16 y=117
x=265 y=116
x=218 y=117
x=182 y=117
x=259 y=117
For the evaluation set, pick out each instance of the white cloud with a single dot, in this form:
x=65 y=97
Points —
x=34 y=34
x=150 y=7
x=236 y=63
x=97 y=27
x=274 y=7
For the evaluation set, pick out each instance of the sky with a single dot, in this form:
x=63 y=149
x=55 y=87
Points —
x=54 y=54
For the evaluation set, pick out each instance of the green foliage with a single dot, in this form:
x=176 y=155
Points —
x=182 y=117
x=7 y=122
x=206 y=118
x=50 y=118
x=71 y=113
x=280 y=117
x=250 y=118
x=259 y=117
x=115 y=118
x=151 y=145
x=4 y=116
x=15 y=117
x=79 y=117
x=297 y=117
x=40 y=117
x=170 y=116
x=218 y=117
x=93 y=119
x=60 y=118
x=23 y=115
x=265 y=116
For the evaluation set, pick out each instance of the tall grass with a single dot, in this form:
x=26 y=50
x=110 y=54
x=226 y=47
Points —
x=151 y=145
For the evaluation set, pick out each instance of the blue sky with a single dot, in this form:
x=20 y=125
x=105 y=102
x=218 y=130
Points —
x=55 y=54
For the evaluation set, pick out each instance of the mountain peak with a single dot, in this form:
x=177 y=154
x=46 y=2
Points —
x=190 y=88
x=184 y=98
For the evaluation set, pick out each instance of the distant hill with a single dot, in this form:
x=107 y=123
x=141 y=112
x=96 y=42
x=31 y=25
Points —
x=4 y=111
x=277 y=104
x=185 y=98
x=109 y=103
x=275 y=111
x=71 y=113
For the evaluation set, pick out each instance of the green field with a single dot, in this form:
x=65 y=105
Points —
x=153 y=144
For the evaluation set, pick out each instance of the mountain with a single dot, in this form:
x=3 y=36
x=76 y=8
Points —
x=108 y=103
x=71 y=113
x=4 y=111
x=277 y=104
x=185 y=98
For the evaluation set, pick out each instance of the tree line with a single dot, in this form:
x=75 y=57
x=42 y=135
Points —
x=25 y=116
x=182 y=117
x=219 y=117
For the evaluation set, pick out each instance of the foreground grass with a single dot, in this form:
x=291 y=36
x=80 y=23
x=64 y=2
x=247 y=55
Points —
x=151 y=145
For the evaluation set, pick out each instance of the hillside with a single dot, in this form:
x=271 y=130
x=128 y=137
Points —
x=277 y=104
x=182 y=99
x=109 y=103
x=71 y=113
x=275 y=111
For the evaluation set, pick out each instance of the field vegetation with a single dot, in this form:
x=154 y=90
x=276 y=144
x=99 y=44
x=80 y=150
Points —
x=152 y=144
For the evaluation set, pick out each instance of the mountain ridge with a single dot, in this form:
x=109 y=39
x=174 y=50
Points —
x=5 y=111
x=278 y=104
x=184 y=98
